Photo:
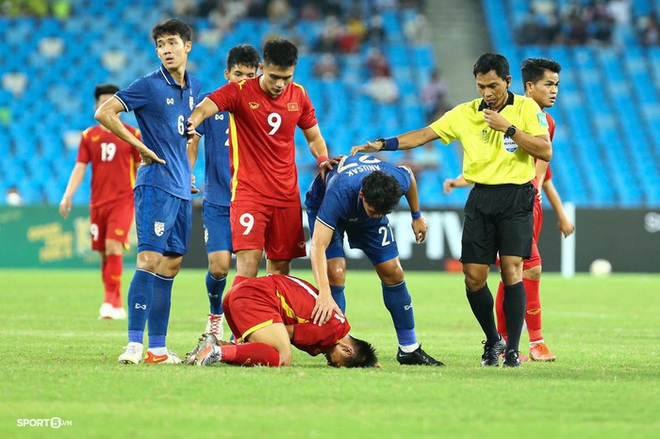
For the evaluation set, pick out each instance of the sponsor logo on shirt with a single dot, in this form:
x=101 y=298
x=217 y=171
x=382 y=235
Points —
x=484 y=135
x=159 y=228
x=253 y=105
x=119 y=232
x=170 y=101
x=95 y=138
x=292 y=106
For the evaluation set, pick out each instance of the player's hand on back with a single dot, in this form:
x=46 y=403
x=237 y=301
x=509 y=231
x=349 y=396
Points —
x=149 y=157
x=191 y=132
x=324 y=308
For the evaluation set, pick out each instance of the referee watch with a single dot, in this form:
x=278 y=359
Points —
x=510 y=131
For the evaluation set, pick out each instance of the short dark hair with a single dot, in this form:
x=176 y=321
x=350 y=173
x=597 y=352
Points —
x=492 y=61
x=104 y=89
x=381 y=191
x=364 y=354
x=281 y=53
x=243 y=54
x=173 y=26
x=533 y=69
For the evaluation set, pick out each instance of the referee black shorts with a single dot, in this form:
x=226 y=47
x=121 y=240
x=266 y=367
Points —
x=498 y=218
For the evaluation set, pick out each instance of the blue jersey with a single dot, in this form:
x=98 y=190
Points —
x=217 y=175
x=341 y=201
x=161 y=108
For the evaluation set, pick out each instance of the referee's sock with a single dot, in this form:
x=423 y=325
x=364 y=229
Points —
x=140 y=293
x=481 y=302
x=514 y=309
x=159 y=316
x=399 y=303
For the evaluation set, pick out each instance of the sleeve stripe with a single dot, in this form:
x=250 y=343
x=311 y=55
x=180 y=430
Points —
x=324 y=223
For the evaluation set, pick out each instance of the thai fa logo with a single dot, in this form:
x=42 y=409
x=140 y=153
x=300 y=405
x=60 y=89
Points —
x=159 y=228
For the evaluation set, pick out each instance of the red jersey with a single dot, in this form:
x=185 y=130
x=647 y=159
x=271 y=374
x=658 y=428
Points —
x=262 y=149
x=551 y=125
x=113 y=164
x=276 y=298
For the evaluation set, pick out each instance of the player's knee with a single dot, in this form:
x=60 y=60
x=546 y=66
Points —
x=533 y=273
x=285 y=359
x=218 y=270
x=337 y=275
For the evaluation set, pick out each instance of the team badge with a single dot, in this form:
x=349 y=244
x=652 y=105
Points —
x=159 y=228
x=191 y=102
x=206 y=235
x=484 y=135
x=292 y=106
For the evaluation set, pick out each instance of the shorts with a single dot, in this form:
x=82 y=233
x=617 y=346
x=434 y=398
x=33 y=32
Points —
x=374 y=237
x=498 y=218
x=277 y=230
x=250 y=308
x=535 y=259
x=162 y=220
x=217 y=229
x=111 y=221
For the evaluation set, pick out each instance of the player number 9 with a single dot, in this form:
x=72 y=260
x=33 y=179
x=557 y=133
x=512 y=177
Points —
x=247 y=221
x=274 y=120
x=94 y=230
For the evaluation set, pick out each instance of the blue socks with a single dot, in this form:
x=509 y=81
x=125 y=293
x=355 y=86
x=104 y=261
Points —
x=159 y=315
x=214 y=289
x=140 y=294
x=399 y=303
x=338 y=295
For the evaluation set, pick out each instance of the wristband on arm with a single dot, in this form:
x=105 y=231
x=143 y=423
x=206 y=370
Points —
x=389 y=144
x=416 y=214
x=321 y=159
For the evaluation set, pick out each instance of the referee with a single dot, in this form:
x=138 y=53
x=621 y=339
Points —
x=501 y=134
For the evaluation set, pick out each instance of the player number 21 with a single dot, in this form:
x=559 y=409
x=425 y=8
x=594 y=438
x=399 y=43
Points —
x=274 y=120
x=247 y=221
x=388 y=236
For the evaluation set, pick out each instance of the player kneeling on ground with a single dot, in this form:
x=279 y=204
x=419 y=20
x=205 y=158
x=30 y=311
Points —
x=268 y=315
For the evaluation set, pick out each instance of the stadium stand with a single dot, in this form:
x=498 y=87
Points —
x=607 y=145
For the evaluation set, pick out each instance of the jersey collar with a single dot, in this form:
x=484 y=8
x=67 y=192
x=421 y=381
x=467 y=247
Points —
x=170 y=80
x=509 y=101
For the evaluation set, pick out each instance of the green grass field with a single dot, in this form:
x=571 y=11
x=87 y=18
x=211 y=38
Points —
x=58 y=360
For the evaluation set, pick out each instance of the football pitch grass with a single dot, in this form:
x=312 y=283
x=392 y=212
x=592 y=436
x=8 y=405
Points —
x=58 y=361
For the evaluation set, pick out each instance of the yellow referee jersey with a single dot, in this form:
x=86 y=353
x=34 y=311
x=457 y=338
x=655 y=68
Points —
x=490 y=157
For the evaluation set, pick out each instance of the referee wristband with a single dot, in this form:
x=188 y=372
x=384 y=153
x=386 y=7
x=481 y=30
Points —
x=321 y=159
x=416 y=214
x=390 y=144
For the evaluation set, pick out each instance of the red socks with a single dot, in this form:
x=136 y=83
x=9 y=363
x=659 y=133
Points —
x=251 y=354
x=499 y=311
x=112 y=270
x=532 y=314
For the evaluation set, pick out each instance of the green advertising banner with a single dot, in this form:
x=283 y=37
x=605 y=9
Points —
x=37 y=236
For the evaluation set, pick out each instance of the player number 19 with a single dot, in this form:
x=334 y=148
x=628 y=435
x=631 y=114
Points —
x=108 y=151
x=247 y=221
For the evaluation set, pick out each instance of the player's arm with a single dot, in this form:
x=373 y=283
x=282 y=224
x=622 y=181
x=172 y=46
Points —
x=193 y=151
x=536 y=146
x=108 y=115
x=77 y=175
x=452 y=183
x=409 y=140
x=325 y=304
x=565 y=225
x=419 y=224
x=319 y=149
x=202 y=111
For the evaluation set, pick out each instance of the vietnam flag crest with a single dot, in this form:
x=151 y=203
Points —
x=292 y=106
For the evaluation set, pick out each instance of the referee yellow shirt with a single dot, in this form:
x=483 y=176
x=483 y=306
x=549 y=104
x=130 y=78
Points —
x=490 y=157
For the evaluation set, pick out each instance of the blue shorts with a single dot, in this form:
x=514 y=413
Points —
x=374 y=237
x=217 y=230
x=162 y=221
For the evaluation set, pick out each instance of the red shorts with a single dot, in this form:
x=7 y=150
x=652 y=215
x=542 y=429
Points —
x=535 y=258
x=277 y=230
x=111 y=221
x=249 y=308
